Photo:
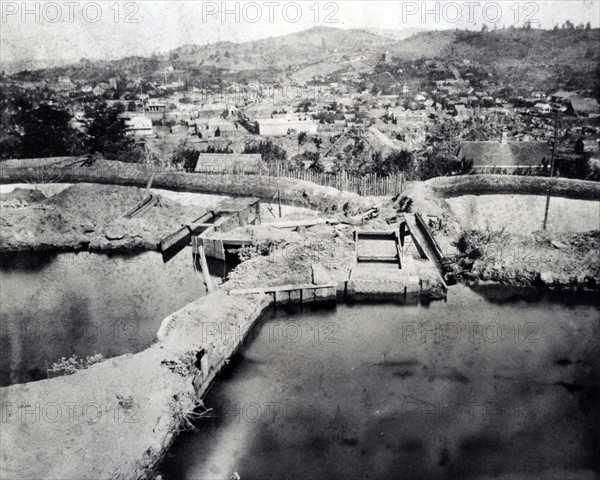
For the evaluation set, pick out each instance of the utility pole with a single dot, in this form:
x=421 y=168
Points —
x=141 y=91
x=555 y=142
x=547 y=209
x=279 y=201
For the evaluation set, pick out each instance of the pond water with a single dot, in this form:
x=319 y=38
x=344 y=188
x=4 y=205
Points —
x=59 y=305
x=491 y=384
x=525 y=213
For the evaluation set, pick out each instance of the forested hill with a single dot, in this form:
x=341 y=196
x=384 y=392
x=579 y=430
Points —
x=528 y=56
x=524 y=58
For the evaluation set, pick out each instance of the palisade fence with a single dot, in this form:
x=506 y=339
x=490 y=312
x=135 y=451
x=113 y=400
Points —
x=371 y=184
x=367 y=185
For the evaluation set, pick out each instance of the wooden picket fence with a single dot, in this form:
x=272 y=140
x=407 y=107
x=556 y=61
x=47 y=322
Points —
x=371 y=184
x=367 y=185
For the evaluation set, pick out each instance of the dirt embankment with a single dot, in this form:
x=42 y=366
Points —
x=293 y=192
x=514 y=184
x=290 y=261
x=118 y=418
x=90 y=215
x=86 y=216
x=544 y=259
x=548 y=259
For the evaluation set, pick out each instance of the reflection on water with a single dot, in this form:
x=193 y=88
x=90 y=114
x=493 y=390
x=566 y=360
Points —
x=58 y=305
x=487 y=385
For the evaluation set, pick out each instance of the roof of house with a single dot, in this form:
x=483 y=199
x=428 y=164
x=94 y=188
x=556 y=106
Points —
x=581 y=104
x=564 y=94
x=283 y=121
x=221 y=124
x=385 y=78
x=494 y=153
x=226 y=161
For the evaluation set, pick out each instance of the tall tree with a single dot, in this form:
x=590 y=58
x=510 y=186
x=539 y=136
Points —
x=48 y=133
x=108 y=135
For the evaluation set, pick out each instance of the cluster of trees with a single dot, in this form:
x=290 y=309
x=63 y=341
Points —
x=304 y=106
x=568 y=25
x=358 y=159
x=575 y=163
x=394 y=163
x=440 y=160
x=440 y=157
x=270 y=152
x=46 y=131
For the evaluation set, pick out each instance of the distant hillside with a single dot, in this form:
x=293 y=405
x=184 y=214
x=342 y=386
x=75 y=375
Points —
x=293 y=50
x=261 y=59
x=524 y=58
x=505 y=47
x=527 y=57
x=395 y=34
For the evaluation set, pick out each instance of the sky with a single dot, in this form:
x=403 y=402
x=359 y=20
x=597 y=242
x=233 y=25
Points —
x=46 y=33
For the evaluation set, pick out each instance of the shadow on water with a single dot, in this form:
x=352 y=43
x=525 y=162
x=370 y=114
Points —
x=27 y=261
x=511 y=295
x=408 y=299
x=169 y=254
x=373 y=404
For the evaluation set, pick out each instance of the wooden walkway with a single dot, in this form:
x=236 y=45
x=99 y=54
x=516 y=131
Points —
x=288 y=294
x=424 y=241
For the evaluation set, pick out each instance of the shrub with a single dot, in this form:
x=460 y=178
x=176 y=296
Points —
x=185 y=156
x=68 y=366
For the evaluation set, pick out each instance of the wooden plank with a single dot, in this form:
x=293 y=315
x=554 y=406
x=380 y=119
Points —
x=399 y=250
x=210 y=285
x=183 y=234
x=429 y=237
x=138 y=206
x=153 y=202
x=219 y=250
x=280 y=289
x=150 y=184
x=372 y=258
x=376 y=233
x=195 y=226
x=303 y=223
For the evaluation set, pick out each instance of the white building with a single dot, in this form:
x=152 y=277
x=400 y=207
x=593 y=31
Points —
x=156 y=105
x=278 y=127
x=542 y=108
x=138 y=125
